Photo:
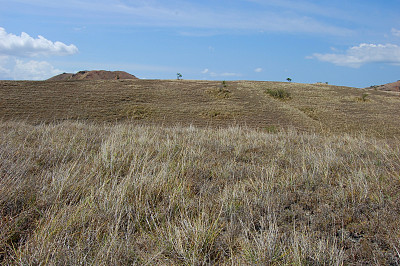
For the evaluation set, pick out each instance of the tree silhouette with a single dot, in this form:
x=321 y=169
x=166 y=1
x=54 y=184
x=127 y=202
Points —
x=178 y=76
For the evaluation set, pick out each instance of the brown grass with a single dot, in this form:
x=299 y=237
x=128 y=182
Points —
x=80 y=193
x=312 y=107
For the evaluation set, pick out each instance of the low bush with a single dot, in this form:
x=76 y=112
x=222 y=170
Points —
x=279 y=94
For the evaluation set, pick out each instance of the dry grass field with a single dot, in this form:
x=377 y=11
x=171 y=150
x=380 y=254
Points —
x=149 y=172
x=318 y=107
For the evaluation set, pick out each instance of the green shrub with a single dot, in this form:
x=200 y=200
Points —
x=279 y=94
x=363 y=97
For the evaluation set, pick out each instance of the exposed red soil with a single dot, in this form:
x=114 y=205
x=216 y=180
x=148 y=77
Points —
x=93 y=75
x=394 y=86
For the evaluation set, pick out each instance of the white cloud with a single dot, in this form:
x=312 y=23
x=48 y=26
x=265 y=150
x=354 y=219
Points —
x=205 y=71
x=33 y=70
x=258 y=70
x=396 y=32
x=17 y=69
x=26 y=46
x=225 y=74
x=357 y=56
x=13 y=48
x=198 y=15
x=4 y=71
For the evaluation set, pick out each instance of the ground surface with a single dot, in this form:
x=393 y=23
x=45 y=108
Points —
x=317 y=107
x=394 y=86
x=152 y=172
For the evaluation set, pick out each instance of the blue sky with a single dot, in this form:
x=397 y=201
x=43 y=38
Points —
x=353 y=43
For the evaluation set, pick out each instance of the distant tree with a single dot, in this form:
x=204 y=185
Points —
x=289 y=79
x=178 y=76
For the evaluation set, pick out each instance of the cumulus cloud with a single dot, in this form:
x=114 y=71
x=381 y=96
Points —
x=396 y=32
x=27 y=46
x=15 y=49
x=5 y=72
x=17 y=69
x=33 y=70
x=357 y=56
x=258 y=70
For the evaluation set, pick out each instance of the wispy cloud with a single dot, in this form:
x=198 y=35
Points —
x=396 y=32
x=205 y=71
x=307 y=7
x=225 y=74
x=195 y=15
x=357 y=56
x=27 y=46
x=258 y=70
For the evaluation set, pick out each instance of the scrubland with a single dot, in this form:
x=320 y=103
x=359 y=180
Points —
x=118 y=194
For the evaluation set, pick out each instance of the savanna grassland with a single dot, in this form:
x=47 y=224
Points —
x=308 y=107
x=197 y=173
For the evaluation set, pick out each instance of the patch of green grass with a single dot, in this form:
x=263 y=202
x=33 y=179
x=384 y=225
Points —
x=137 y=112
x=280 y=94
x=363 y=97
x=271 y=129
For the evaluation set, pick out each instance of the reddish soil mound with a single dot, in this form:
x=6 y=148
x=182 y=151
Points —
x=395 y=86
x=93 y=75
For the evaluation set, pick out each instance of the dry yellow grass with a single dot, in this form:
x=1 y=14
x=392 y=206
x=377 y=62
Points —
x=82 y=193
x=198 y=172
x=311 y=107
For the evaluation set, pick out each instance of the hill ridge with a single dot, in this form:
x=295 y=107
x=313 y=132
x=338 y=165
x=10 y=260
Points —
x=393 y=86
x=309 y=107
x=93 y=75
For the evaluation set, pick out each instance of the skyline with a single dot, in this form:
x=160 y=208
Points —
x=352 y=44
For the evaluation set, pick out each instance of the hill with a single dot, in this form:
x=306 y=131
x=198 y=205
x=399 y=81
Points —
x=394 y=86
x=112 y=172
x=93 y=75
x=307 y=107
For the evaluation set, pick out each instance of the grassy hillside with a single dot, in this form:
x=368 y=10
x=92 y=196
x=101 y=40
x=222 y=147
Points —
x=75 y=193
x=198 y=173
x=322 y=108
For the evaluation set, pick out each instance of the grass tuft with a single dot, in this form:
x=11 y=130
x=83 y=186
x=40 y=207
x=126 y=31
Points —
x=280 y=94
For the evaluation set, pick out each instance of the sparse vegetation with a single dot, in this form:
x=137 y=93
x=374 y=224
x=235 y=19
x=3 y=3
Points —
x=222 y=88
x=137 y=112
x=289 y=79
x=174 y=102
x=74 y=193
x=271 y=129
x=223 y=91
x=280 y=94
x=124 y=186
x=363 y=98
